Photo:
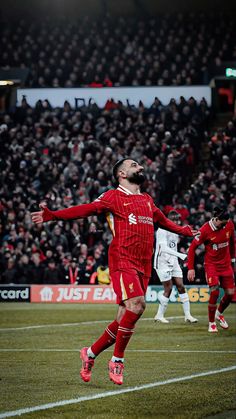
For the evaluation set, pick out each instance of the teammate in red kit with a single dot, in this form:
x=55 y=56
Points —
x=218 y=237
x=130 y=215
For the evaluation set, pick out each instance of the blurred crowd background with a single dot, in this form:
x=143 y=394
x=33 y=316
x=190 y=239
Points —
x=64 y=156
x=175 y=49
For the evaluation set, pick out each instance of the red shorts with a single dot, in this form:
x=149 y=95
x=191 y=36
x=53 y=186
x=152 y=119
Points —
x=224 y=279
x=128 y=283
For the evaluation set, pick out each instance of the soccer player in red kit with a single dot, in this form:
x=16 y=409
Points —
x=218 y=237
x=130 y=215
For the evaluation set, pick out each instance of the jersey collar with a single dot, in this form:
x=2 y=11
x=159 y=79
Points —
x=213 y=227
x=125 y=190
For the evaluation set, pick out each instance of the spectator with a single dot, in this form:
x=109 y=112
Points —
x=10 y=274
x=52 y=274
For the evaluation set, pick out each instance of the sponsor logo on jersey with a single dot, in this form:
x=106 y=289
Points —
x=145 y=220
x=132 y=219
x=140 y=219
x=127 y=203
x=220 y=245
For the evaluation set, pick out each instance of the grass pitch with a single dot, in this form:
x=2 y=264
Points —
x=39 y=367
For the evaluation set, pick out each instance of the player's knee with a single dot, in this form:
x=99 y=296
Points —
x=137 y=305
x=181 y=289
x=141 y=307
x=215 y=289
x=230 y=292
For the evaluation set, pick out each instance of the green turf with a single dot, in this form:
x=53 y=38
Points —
x=30 y=377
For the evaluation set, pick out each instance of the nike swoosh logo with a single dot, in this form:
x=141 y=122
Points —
x=127 y=203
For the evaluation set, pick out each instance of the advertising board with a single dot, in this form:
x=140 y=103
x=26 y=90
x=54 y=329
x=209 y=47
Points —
x=14 y=293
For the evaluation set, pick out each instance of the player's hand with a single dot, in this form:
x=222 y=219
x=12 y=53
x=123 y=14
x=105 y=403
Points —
x=194 y=232
x=191 y=275
x=38 y=216
x=190 y=230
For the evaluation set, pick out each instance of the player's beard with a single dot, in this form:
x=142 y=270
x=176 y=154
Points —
x=137 y=178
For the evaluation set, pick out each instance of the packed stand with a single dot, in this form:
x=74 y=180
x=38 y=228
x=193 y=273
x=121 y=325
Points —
x=175 y=49
x=65 y=156
x=215 y=185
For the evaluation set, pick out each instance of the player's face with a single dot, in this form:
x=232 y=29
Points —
x=220 y=223
x=175 y=218
x=134 y=172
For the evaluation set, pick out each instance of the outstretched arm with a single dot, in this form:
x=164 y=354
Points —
x=43 y=215
x=199 y=239
x=166 y=224
x=191 y=259
x=191 y=254
x=79 y=211
x=102 y=203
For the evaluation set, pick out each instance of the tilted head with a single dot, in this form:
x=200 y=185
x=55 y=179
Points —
x=130 y=169
x=221 y=216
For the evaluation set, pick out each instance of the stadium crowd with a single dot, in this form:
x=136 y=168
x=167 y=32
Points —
x=175 y=49
x=65 y=156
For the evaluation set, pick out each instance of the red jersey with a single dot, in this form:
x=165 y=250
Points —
x=219 y=246
x=130 y=218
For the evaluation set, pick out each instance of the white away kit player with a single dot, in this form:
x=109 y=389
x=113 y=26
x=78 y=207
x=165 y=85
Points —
x=169 y=271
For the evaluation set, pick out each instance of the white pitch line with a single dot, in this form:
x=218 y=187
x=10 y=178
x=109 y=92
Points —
x=63 y=403
x=180 y=351
x=127 y=350
x=41 y=326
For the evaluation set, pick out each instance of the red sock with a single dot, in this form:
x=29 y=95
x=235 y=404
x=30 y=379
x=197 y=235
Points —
x=212 y=304
x=225 y=301
x=125 y=331
x=106 y=339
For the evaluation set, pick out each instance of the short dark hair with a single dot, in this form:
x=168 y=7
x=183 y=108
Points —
x=173 y=213
x=221 y=213
x=118 y=164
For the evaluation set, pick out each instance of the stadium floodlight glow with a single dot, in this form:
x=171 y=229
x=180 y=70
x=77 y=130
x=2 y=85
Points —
x=230 y=72
x=6 y=82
